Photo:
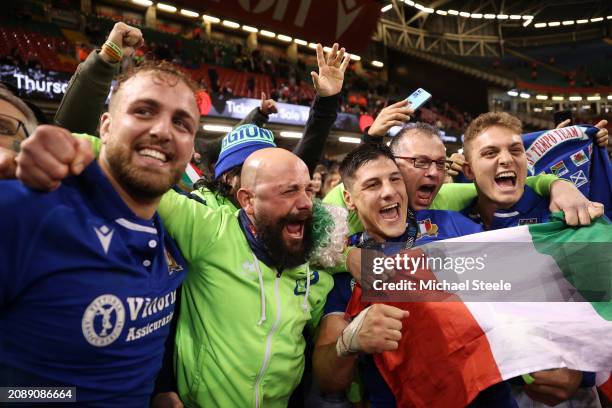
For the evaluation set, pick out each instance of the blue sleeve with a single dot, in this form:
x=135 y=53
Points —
x=588 y=379
x=340 y=295
x=601 y=179
x=21 y=214
x=498 y=395
x=460 y=178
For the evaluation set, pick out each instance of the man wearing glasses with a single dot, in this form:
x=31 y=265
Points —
x=422 y=159
x=420 y=156
x=17 y=120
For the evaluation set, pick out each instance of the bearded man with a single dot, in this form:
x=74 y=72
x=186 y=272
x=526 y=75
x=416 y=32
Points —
x=88 y=274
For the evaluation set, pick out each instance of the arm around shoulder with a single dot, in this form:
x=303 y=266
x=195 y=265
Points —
x=454 y=196
x=193 y=225
x=542 y=183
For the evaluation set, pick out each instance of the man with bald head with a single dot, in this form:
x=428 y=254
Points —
x=249 y=293
x=270 y=176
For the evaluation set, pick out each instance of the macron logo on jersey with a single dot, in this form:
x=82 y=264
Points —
x=104 y=235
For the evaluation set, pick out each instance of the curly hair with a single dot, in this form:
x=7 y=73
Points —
x=329 y=231
x=220 y=186
x=162 y=71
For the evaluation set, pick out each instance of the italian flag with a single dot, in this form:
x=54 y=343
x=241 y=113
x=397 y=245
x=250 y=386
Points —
x=450 y=351
x=191 y=175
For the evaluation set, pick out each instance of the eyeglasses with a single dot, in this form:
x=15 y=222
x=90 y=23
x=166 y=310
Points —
x=423 y=163
x=9 y=126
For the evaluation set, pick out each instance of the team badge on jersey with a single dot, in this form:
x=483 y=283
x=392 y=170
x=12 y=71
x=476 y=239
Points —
x=579 y=178
x=103 y=320
x=427 y=228
x=300 y=284
x=173 y=266
x=559 y=169
x=579 y=158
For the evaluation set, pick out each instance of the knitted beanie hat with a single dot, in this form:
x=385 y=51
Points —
x=238 y=144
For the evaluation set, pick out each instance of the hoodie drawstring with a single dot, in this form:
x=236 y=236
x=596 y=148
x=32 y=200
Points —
x=262 y=291
x=305 y=305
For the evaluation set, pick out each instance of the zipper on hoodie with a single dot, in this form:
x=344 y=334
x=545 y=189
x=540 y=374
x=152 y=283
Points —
x=271 y=333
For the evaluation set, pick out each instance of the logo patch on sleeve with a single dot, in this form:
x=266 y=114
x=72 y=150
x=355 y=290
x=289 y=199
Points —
x=579 y=158
x=527 y=221
x=559 y=169
x=579 y=178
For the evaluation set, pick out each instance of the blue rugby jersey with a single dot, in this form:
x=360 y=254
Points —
x=433 y=225
x=571 y=153
x=530 y=209
x=87 y=291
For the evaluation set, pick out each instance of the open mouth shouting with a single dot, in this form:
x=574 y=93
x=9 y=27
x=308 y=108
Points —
x=425 y=192
x=390 y=212
x=506 y=179
x=294 y=229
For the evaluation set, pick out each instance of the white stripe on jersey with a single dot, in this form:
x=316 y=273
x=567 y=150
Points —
x=135 y=227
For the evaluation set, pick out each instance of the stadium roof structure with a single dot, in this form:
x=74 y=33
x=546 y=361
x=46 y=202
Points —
x=486 y=27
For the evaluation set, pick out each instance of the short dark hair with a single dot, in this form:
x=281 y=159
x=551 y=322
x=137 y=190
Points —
x=420 y=127
x=359 y=157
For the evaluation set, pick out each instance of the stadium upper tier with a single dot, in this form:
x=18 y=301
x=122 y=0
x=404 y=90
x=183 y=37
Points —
x=224 y=64
x=587 y=64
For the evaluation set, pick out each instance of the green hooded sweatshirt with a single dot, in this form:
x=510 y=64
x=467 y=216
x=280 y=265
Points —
x=239 y=340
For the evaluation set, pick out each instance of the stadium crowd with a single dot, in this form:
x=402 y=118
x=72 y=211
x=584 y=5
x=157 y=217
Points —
x=241 y=292
x=365 y=93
